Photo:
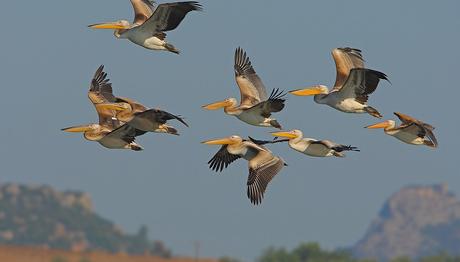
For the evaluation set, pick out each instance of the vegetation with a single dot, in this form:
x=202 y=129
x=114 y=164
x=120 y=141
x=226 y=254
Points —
x=312 y=252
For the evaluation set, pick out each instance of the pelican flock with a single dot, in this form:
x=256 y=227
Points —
x=123 y=119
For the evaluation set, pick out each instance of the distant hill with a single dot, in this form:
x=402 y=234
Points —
x=42 y=216
x=416 y=221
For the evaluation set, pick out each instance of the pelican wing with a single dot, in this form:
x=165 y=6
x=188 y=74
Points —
x=159 y=116
x=124 y=132
x=100 y=91
x=168 y=16
x=275 y=103
x=222 y=159
x=143 y=9
x=262 y=168
x=360 y=83
x=420 y=130
x=251 y=87
x=345 y=59
x=136 y=106
x=408 y=120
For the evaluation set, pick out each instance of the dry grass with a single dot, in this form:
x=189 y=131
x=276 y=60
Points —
x=37 y=254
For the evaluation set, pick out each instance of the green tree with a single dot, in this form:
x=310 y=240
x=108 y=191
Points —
x=278 y=255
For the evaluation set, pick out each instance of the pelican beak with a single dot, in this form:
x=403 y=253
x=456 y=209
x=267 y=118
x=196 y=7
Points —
x=306 y=92
x=223 y=141
x=112 y=25
x=378 y=125
x=77 y=129
x=284 y=134
x=217 y=105
x=110 y=106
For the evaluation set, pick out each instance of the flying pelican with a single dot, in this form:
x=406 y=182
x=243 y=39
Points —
x=138 y=116
x=411 y=130
x=109 y=132
x=255 y=108
x=310 y=146
x=352 y=87
x=263 y=165
x=150 y=23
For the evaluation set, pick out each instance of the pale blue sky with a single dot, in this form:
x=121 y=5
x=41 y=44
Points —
x=48 y=56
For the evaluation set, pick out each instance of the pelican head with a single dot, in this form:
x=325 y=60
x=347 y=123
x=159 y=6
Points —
x=315 y=90
x=81 y=128
x=231 y=140
x=293 y=134
x=386 y=125
x=229 y=102
x=119 y=27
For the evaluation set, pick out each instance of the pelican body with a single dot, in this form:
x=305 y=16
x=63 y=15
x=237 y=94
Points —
x=352 y=87
x=255 y=107
x=263 y=165
x=313 y=147
x=410 y=131
x=150 y=23
x=109 y=132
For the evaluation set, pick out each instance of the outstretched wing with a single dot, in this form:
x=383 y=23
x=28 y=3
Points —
x=345 y=59
x=408 y=120
x=251 y=87
x=143 y=9
x=262 y=169
x=124 y=132
x=413 y=125
x=168 y=16
x=159 y=116
x=100 y=91
x=360 y=83
x=275 y=103
x=222 y=159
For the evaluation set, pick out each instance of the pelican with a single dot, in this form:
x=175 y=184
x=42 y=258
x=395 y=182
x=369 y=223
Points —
x=312 y=147
x=263 y=165
x=411 y=130
x=150 y=23
x=109 y=132
x=255 y=108
x=140 y=117
x=352 y=87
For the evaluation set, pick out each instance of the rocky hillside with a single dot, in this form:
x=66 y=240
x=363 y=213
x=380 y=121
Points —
x=414 y=222
x=42 y=216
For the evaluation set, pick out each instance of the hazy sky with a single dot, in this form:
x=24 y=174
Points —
x=48 y=57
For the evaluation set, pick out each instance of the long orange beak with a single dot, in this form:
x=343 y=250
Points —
x=306 y=92
x=286 y=134
x=378 y=125
x=223 y=141
x=77 y=129
x=217 y=105
x=110 y=106
x=112 y=25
